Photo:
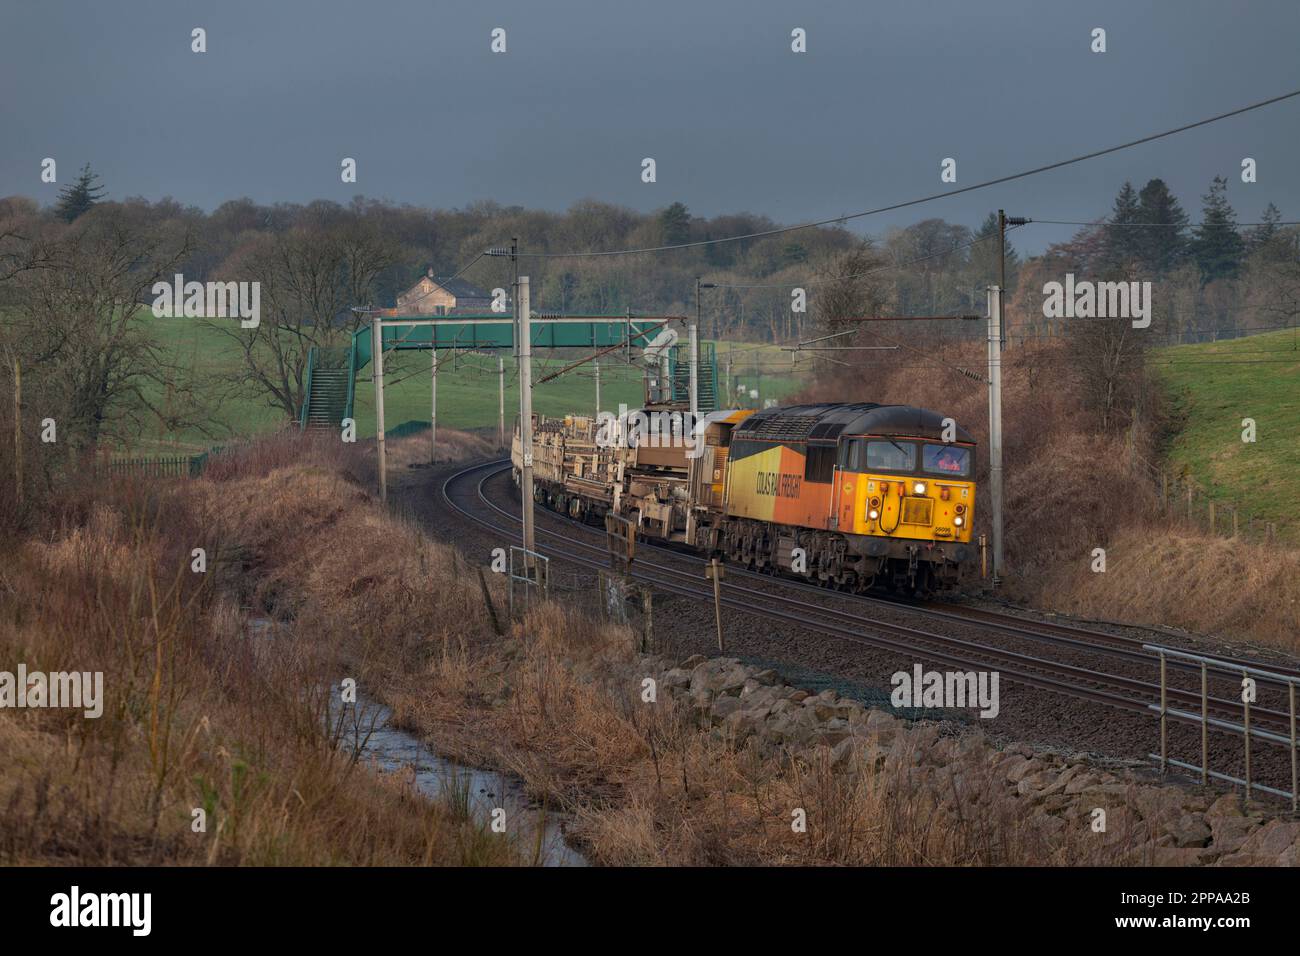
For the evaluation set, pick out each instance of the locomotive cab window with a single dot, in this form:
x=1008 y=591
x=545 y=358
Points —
x=853 y=455
x=891 y=456
x=952 y=460
x=819 y=465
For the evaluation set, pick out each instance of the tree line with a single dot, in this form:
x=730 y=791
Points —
x=73 y=277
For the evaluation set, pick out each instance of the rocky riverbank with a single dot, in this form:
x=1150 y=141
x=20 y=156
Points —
x=1146 y=821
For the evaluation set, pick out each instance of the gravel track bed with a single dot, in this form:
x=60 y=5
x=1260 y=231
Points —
x=685 y=626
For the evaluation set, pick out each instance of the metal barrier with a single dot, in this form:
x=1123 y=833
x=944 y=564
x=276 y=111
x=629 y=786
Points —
x=1206 y=721
x=174 y=466
x=615 y=590
x=533 y=571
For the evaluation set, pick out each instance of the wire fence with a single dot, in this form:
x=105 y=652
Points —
x=1044 y=330
x=173 y=466
x=1181 y=498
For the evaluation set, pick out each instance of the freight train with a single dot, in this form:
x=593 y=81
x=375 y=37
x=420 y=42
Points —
x=854 y=496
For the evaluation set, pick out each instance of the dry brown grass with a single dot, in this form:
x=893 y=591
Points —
x=556 y=704
x=413 y=450
x=1189 y=580
x=199 y=712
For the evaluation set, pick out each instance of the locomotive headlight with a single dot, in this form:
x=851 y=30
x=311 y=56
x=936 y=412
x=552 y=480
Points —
x=959 y=521
x=873 y=514
x=919 y=487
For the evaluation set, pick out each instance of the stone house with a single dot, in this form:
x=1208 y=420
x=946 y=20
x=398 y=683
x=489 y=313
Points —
x=435 y=295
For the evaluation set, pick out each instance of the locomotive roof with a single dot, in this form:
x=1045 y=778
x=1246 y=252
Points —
x=826 y=422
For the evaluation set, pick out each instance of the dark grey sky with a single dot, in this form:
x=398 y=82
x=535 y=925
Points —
x=709 y=88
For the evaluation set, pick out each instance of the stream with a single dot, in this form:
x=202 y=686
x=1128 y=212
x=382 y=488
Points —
x=391 y=749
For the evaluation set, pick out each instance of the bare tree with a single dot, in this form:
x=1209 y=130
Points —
x=75 y=324
x=1109 y=358
x=847 y=287
x=310 y=276
x=22 y=247
x=1281 y=270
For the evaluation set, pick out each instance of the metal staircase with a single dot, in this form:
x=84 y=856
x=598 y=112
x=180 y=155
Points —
x=679 y=373
x=329 y=388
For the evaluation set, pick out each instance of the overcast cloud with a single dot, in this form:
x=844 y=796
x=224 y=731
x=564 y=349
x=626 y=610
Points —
x=711 y=90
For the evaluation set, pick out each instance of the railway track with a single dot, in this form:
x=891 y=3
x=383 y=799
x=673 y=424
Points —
x=464 y=492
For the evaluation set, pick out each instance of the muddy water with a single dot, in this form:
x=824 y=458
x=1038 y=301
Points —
x=392 y=749
x=368 y=727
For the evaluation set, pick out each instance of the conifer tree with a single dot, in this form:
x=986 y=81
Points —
x=76 y=198
x=1162 y=243
x=1124 y=240
x=1218 y=247
x=676 y=223
x=1264 y=239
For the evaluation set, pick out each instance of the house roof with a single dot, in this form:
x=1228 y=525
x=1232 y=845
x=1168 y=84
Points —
x=460 y=288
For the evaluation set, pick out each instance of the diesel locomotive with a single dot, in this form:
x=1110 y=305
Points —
x=855 y=496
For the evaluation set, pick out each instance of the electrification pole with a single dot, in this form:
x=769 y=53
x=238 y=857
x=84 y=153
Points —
x=1003 y=221
x=525 y=352
x=501 y=401
x=698 y=318
x=1002 y=264
x=995 y=425
x=433 y=394
x=377 y=356
x=18 y=429
x=695 y=350
x=595 y=365
x=695 y=372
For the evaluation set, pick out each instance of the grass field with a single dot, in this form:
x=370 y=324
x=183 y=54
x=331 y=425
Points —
x=467 y=387
x=1214 y=386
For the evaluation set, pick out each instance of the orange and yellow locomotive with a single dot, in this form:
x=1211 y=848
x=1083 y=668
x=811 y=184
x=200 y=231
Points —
x=872 y=494
x=852 y=495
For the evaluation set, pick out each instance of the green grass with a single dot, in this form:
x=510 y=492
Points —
x=467 y=388
x=1212 y=387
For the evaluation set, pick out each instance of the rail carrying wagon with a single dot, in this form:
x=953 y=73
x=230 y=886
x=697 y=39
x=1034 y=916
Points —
x=852 y=495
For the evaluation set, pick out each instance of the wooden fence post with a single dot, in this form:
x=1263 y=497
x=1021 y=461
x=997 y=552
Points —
x=647 y=608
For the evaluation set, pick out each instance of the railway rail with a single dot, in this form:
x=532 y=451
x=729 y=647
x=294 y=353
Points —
x=464 y=492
